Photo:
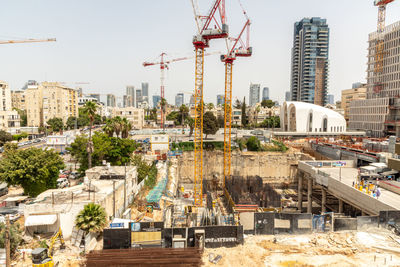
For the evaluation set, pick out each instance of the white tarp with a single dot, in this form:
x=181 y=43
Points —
x=35 y=220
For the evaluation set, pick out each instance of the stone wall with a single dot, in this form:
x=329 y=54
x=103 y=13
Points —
x=274 y=167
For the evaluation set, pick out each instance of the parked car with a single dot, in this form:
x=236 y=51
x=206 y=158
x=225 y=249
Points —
x=62 y=183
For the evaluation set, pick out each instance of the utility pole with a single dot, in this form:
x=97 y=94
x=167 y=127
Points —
x=8 y=256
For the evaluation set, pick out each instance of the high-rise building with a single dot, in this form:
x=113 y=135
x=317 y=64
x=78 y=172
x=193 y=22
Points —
x=9 y=118
x=330 y=99
x=156 y=100
x=191 y=102
x=111 y=100
x=179 y=99
x=145 y=92
x=254 y=96
x=129 y=97
x=138 y=97
x=379 y=113
x=288 y=96
x=220 y=100
x=265 y=94
x=357 y=92
x=309 y=81
x=18 y=99
x=50 y=100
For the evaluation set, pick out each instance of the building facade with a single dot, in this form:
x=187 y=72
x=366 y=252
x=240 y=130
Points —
x=310 y=54
x=288 y=96
x=179 y=99
x=111 y=101
x=129 y=97
x=50 y=100
x=18 y=99
x=254 y=95
x=265 y=94
x=379 y=113
x=134 y=115
x=330 y=99
x=145 y=92
x=9 y=118
x=138 y=97
x=357 y=92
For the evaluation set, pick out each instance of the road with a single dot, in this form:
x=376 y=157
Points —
x=349 y=175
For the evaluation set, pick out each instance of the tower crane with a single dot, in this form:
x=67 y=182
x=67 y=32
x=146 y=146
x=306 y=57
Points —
x=379 y=50
x=27 y=41
x=164 y=65
x=244 y=50
x=206 y=32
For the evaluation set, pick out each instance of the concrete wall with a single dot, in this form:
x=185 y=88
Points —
x=267 y=165
x=341 y=224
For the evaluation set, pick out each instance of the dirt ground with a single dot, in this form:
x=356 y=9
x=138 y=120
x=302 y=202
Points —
x=375 y=247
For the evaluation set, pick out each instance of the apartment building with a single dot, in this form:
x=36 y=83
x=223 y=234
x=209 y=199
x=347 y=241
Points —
x=18 y=99
x=134 y=115
x=254 y=94
x=379 y=113
x=257 y=113
x=50 y=100
x=310 y=61
x=357 y=92
x=9 y=119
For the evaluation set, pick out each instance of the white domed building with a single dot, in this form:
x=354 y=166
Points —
x=304 y=117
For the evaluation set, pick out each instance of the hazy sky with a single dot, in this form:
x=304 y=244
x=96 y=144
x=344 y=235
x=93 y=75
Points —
x=105 y=42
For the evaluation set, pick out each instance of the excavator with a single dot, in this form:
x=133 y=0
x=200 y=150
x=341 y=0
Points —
x=43 y=257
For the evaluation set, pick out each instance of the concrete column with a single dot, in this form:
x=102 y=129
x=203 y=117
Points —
x=340 y=206
x=323 y=208
x=363 y=213
x=309 y=194
x=300 y=193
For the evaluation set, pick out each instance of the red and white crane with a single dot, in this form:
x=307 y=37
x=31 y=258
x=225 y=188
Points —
x=163 y=66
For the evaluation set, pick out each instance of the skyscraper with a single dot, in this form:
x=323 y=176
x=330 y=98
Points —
x=179 y=100
x=138 y=97
x=145 y=92
x=265 y=94
x=254 y=96
x=111 y=100
x=220 y=100
x=288 y=96
x=309 y=81
x=129 y=98
x=156 y=99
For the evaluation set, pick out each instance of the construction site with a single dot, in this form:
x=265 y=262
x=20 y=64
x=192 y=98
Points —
x=320 y=201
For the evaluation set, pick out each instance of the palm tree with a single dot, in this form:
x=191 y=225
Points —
x=92 y=218
x=126 y=128
x=90 y=109
x=117 y=124
x=108 y=128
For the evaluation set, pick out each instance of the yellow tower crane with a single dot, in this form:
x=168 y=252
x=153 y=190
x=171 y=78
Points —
x=243 y=51
x=206 y=32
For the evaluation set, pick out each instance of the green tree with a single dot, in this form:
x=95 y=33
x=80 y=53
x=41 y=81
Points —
x=210 y=125
x=23 y=117
x=253 y=144
x=56 y=124
x=92 y=218
x=34 y=169
x=71 y=122
x=184 y=113
x=244 y=116
x=174 y=116
x=109 y=128
x=20 y=136
x=117 y=124
x=153 y=115
x=257 y=111
x=221 y=121
x=238 y=104
x=210 y=106
x=90 y=109
x=114 y=150
x=267 y=103
x=15 y=237
x=190 y=123
x=145 y=170
x=5 y=137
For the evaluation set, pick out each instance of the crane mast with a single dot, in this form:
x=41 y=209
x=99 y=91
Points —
x=200 y=42
x=244 y=51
